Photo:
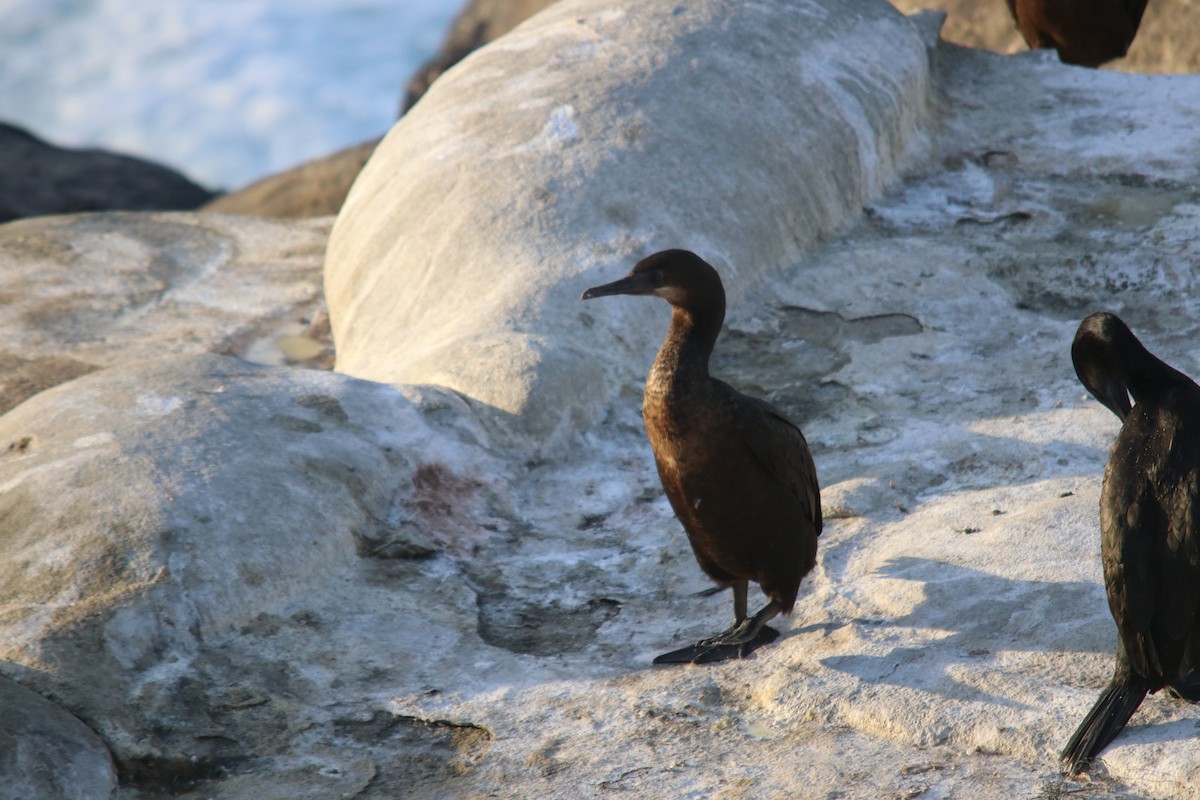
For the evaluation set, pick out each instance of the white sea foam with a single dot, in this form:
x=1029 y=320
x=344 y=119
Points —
x=224 y=90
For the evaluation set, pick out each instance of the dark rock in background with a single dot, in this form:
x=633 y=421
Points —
x=39 y=178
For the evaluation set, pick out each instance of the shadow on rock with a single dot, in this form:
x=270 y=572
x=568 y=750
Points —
x=984 y=614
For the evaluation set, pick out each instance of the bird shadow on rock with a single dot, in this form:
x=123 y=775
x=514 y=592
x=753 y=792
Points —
x=1177 y=730
x=983 y=614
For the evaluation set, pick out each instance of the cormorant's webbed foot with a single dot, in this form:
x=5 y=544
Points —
x=710 y=651
x=747 y=635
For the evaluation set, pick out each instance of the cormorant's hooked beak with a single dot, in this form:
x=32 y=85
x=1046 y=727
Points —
x=633 y=283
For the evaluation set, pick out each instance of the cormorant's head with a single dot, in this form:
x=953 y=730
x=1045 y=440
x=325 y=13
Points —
x=680 y=277
x=1103 y=344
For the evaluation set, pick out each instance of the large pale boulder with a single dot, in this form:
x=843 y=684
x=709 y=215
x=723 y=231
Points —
x=47 y=754
x=162 y=520
x=587 y=137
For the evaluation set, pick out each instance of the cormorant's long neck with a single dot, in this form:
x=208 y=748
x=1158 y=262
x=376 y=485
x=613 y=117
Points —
x=683 y=357
x=1148 y=377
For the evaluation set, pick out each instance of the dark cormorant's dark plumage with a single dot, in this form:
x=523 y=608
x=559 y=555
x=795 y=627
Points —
x=738 y=474
x=1149 y=523
x=1085 y=32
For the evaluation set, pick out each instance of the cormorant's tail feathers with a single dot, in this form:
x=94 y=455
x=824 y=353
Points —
x=1102 y=724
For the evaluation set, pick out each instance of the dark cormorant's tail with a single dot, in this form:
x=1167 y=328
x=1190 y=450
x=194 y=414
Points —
x=1102 y=724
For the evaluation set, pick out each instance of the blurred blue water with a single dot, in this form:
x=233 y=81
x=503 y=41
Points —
x=224 y=90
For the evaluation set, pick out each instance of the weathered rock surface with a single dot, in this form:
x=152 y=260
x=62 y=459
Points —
x=261 y=582
x=746 y=131
x=164 y=522
x=47 y=754
x=478 y=23
x=87 y=291
x=314 y=189
x=22 y=378
x=37 y=178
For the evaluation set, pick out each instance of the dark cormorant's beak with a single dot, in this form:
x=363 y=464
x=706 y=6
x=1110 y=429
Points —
x=633 y=283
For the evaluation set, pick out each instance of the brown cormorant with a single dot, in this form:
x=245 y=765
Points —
x=1085 y=32
x=1149 y=525
x=737 y=472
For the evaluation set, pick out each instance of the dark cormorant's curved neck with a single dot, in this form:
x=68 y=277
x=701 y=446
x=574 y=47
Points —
x=1146 y=376
x=684 y=354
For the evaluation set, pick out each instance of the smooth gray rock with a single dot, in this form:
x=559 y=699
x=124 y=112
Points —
x=86 y=291
x=590 y=136
x=47 y=754
x=38 y=178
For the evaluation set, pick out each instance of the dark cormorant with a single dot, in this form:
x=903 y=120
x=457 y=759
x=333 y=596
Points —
x=738 y=474
x=1149 y=523
x=1085 y=32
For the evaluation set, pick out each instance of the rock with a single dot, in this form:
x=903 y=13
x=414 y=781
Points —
x=167 y=523
x=94 y=290
x=478 y=23
x=314 y=189
x=262 y=582
x=592 y=136
x=47 y=754
x=39 y=178
x=22 y=378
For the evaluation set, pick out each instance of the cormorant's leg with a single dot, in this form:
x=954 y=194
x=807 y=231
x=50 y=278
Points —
x=746 y=629
x=1186 y=687
x=746 y=635
x=739 y=602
